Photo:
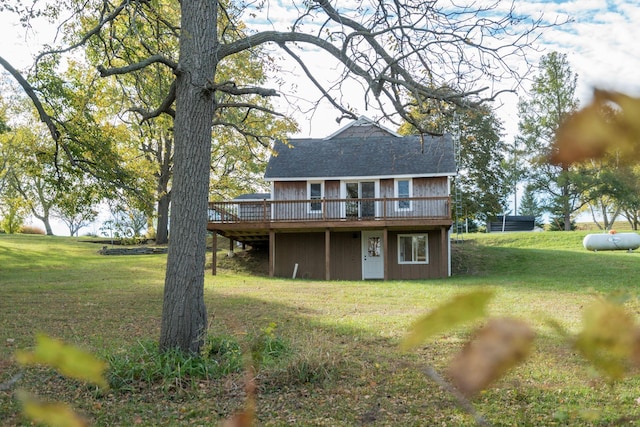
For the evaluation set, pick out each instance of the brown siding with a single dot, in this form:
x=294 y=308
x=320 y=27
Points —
x=290 y=190
x=430 y=187
x=362 y=132
x=332 y=189
x=304 y=249
x=386 y=188
x=432 y=270
x=307 y=250
x=346 y=262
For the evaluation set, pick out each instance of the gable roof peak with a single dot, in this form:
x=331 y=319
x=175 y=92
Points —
x=363 y=121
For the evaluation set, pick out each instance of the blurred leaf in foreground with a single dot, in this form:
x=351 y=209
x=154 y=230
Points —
x=609 y=338
x=68 y=360
x=51 y=414
x=460 y=309
x=592 y=132
x=496 y=348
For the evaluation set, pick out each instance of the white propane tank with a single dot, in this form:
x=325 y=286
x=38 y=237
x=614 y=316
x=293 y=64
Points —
x=611 y=242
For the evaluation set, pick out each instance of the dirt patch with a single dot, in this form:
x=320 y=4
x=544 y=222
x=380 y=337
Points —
x=254 y=261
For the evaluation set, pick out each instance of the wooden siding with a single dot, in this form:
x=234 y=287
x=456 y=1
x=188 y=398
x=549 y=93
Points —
x=308 y=251
x=346 y=259
x=431 y=187
x=362 y=131
x=289 y=190
x=304 y=249
x=332 y=191
x=422 y=187
x=292 y=190
x=386 y=188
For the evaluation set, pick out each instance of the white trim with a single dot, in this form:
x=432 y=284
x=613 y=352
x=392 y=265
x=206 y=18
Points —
x=396 y=194
x=343 y=193
x=272 y=205
x=426 y=242
x=359 y=178
x=363 y=120
x=315 y=211
x=364 y=236
x=449 y=251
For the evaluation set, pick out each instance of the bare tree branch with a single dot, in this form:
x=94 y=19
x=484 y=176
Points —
x=249 y=106
x=92 y=32
x=165 y=107
x=30 y=91
x=104 y=72
x=311 y=77
x=232 y=89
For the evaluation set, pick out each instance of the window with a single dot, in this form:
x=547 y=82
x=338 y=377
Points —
x=315 y=193
x=413 y=249
x=373 y=246
x=403 y=190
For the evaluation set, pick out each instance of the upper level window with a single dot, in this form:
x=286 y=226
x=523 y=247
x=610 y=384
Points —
x=413 y=249
x=403 y=190
x=315 y=193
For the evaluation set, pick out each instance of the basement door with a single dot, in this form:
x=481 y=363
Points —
x=372 y=255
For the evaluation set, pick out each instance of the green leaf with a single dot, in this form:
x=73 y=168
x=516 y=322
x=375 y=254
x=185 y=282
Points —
x=608 y=338
x=52 y=414
x=68 y=360
x=460 y=309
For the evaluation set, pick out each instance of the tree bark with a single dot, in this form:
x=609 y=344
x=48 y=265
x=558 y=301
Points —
x=162 y=227
x=184 y=313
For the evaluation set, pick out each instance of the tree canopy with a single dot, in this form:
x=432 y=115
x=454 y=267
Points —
x=481 y=181
x=403 y=55
x=552 y=99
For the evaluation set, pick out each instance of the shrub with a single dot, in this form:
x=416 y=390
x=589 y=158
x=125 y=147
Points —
x=31 y=229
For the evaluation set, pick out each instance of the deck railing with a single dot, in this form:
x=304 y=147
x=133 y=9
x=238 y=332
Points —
x=330 y=210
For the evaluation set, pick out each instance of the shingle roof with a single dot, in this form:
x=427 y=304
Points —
x=373 y=156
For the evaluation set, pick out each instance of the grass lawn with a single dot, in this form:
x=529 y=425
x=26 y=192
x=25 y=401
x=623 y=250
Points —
x=341 y=364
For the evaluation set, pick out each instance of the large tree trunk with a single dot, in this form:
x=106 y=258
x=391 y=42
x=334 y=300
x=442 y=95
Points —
x=162 y=227
x=184 y=317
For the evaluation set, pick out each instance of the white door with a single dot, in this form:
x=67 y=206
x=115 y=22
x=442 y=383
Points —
x=372 y=255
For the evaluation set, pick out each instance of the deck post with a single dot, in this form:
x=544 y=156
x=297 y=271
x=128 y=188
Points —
x=385 y=252
x=231 y=242
x=327 y=254
x=443 y=250
x=214 y=255
x=272 y=252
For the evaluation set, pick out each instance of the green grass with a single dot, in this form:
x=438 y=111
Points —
x=328 y=350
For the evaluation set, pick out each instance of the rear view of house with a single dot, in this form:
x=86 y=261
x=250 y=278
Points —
x=364 y=203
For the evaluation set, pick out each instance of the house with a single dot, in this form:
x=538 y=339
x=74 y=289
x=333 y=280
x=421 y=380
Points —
x=363 y=203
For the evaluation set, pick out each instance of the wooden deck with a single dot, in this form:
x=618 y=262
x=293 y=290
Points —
x=252 y=221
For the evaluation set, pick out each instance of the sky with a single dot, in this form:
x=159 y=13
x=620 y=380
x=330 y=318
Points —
x=601 y=41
